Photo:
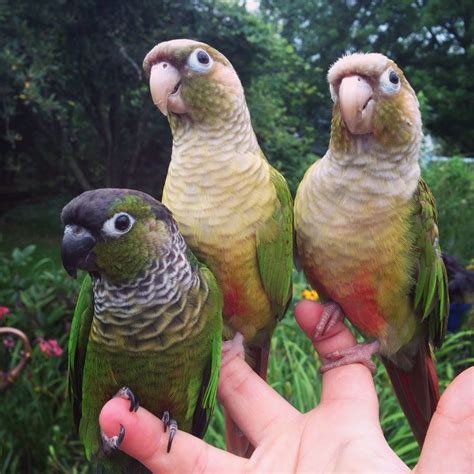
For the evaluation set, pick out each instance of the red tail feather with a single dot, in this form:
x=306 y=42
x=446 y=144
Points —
x=416 y=390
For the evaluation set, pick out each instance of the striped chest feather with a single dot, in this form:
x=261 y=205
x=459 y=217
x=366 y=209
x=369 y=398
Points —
x=154 y=311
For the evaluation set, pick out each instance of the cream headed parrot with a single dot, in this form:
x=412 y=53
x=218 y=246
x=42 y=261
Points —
x=232 y=207
x=148 y=321
x=367 y=235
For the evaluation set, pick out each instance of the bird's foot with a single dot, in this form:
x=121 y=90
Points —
x=332 y=313
x=358 y=354
x=172 y=424
x=112 y=443
x=126 y=393
x=233 y=348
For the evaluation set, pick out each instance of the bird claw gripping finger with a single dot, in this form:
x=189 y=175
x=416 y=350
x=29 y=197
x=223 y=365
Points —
x=233 y=348
x=112 y=443
x=360 y=353
x=170 y=423
x=126 y=393
x=332 y=313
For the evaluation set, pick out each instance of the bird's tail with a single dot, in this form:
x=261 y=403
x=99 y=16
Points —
x=416 y=389
x=236 y=441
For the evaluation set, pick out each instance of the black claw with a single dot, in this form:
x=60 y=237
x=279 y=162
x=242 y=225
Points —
x=121 y=436
x=173 y=429
x=166 y=420
x=112 y=443
x=170 y=423
x=126 y=393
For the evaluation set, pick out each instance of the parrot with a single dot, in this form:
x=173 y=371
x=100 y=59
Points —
x=148 y=321
x=233 y=208
x=367 y=236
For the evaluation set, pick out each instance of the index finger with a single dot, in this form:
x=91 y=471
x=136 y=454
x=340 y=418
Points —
x=146 y=441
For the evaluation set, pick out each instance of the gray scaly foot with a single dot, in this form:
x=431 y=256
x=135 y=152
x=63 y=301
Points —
x=232 y=348
x=126 y=393
x=360 y=353
x=332 y=313
x=112 y=443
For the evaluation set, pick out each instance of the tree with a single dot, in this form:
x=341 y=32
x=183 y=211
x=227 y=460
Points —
x=76 y=110
x=431 y=40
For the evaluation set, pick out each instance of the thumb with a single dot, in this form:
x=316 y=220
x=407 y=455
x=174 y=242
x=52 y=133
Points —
x=450 y=437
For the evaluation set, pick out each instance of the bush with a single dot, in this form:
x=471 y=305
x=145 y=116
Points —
x=452 y=184
x=37 y=433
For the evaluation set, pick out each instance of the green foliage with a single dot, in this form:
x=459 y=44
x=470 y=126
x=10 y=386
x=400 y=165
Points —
x=452 y=184
x=37 y=433
x=77 y=111
x=431 y=40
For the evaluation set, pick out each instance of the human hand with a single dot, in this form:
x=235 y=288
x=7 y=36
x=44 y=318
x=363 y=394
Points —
x=342 y=434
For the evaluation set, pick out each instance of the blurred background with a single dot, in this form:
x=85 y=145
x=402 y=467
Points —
x=76 y=114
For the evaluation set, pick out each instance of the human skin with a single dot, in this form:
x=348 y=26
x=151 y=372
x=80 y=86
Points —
x=341 y=434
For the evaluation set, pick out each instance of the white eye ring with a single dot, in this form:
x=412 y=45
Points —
x=197 y=60
x=390 y=82
x=113 y=227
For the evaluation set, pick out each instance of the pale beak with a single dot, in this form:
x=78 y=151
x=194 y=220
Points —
x=357 y=104
x=165 y=88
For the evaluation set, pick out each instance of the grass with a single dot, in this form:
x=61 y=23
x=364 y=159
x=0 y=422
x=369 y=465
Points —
x=36 y=433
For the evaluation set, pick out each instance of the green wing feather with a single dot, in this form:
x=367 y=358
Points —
x=431 y=289
x=208 y=393
x=275 y=247
x=78 y=338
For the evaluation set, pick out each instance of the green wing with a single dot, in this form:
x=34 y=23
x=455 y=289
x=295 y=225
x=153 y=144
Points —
x=431 y=288
x=275 y=247
x=208 y=392
x=78 y=338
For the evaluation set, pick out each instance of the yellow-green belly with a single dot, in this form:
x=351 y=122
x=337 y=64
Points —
x=218 y=210
x=363 y=263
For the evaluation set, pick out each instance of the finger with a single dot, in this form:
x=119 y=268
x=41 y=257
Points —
x=451 y=423
x=349 y=381
x=146 y=441
x=253 y=405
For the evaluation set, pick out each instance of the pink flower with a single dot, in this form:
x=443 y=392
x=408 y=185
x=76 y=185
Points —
x=50 y=347
x=3 y=311
x=8 y=342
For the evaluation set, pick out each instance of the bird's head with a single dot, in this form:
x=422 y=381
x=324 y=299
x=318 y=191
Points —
x=189 y=78
x=115 y=233
x=372 y=98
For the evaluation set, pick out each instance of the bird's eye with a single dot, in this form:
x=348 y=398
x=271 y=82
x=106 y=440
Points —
x=390 y=82
x=200 y=61
x=393 y=78
x=122 y=222
x=118 y=225
x=203 y=57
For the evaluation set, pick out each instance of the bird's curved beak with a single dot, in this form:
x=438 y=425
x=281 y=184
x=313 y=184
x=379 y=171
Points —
x=165 y=88
x=357 y=104
x=76 y=250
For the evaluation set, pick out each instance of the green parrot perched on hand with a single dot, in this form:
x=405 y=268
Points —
x=148 y=321
x=367 y=235
x=233 y=209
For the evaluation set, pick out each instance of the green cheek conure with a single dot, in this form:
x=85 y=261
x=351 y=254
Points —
x=232 y=207
x=367 y=234
x=147 y=324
